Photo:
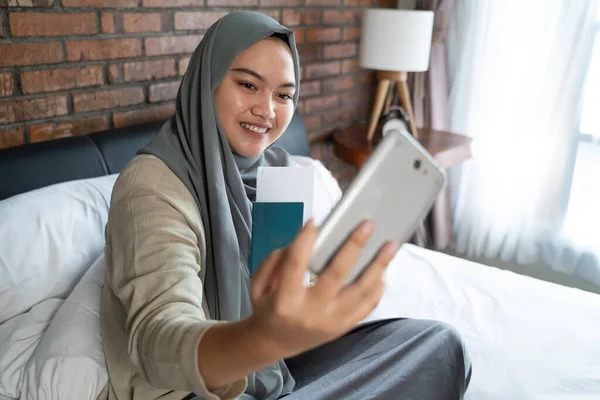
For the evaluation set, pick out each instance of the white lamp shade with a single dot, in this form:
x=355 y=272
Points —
x=396 y=40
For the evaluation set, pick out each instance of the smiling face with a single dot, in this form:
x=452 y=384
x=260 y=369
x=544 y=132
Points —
x=254 y=101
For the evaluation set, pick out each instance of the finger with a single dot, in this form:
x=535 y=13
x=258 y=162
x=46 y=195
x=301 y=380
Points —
x=359 y=313
x=297 y=259
x=335 y=275
x=263 y=277
x=364 y=291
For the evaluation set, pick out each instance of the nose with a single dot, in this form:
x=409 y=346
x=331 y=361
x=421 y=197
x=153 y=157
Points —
x=264 y=108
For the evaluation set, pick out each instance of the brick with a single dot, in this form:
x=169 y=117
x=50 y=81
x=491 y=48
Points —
x=146 y=71
x=309 y=52
x=339 y=84
x=359 y=3
x=149 y=114
x=320 y=35
x=115 y=73
x=134 y=22
x=320 y=70
x=310 y=88
x=74 y=127
x=339 y=50
x=351 y=34
x=337 y=118
x=367 y=78
x=333 y=17
x=301 y=107
x=11 y=137
x=232 y=3
x=7 y=84
x=100 y=3
x=1 y=25
x=299 y=36
x=323 y=3
x=312 y=122
x=26 y=3
x=352 y=99
x=16 y=111
x=183 y=64
x=294 y=18
x=197 y=20
x=105 y=99
x=49 y=24
x=143 y=22
x=171 y=44
x=108 y=23
x=275 y=14
x=64 y=78
x=281 y=3
x=91 y=50
x=321 y=103
x=30 y=53
x=163 y=91
x=173 y=3
x=350 y=66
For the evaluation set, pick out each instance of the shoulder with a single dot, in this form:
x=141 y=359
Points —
x=148 y=176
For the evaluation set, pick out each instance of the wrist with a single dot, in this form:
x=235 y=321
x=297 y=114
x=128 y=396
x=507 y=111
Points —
x=266 y=343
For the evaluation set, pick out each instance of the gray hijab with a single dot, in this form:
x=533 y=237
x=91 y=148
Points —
x=193 y=145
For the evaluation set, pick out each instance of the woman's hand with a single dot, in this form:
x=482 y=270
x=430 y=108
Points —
x=293 y=318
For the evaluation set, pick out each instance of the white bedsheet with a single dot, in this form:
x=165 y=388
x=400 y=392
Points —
x=528 y=339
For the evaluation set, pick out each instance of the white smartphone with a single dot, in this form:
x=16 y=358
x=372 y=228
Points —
x=395 y=188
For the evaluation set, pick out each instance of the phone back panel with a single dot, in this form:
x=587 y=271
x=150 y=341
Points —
x=389 y=190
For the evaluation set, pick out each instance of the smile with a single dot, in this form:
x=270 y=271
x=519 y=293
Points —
x=254 y=128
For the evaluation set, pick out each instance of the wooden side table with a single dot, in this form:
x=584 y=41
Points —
x=448 y=148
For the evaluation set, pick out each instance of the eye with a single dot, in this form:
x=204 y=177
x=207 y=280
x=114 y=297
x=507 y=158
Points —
x=247 y=85
x=286 y=96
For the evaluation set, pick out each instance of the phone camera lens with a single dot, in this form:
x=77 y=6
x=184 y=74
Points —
x=417 y=164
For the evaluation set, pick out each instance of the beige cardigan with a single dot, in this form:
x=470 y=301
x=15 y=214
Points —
x=151 y=315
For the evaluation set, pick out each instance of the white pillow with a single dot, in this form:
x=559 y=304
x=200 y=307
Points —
x=48 y=238
x=327 y=190
x=69 y=361
x=19 y=337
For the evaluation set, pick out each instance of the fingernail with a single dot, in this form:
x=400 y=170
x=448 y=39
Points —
x=310 y=223
x=367 y=227
x=392 y=247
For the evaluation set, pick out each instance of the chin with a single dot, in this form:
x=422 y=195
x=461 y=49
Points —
x=252 y=144
x=250 y=152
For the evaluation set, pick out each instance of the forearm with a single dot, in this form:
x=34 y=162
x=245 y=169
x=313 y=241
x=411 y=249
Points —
x=232 y=350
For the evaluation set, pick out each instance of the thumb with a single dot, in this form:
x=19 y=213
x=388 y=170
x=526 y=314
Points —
x=267 y=275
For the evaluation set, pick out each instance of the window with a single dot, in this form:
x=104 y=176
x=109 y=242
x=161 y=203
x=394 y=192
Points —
x=582 y=217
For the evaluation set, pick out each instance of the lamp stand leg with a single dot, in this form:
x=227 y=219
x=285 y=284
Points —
x=382 y=93
x=402 y=87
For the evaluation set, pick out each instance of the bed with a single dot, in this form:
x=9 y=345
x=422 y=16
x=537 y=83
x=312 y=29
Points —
x=527 y=339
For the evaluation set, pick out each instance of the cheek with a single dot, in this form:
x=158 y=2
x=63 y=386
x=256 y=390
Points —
x=230 y=105
x=284 y=115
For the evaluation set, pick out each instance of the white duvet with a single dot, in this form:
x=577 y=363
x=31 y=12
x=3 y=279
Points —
x=527 y=339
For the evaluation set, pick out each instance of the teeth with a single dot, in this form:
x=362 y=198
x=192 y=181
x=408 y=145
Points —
x=254 y=128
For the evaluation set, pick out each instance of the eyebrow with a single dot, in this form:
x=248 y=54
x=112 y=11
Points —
x=260 y=77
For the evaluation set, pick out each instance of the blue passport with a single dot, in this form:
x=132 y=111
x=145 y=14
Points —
x=274 y=225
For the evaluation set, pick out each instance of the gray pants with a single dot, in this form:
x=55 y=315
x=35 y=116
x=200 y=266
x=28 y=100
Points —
x=400 y=359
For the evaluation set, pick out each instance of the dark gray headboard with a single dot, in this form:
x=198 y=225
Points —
x=36 y=165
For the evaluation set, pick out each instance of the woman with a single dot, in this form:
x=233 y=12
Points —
x=180 y=315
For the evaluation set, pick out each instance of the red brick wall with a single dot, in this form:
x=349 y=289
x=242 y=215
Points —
x=72 y=67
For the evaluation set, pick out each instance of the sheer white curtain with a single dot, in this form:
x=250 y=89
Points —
x=515 y=72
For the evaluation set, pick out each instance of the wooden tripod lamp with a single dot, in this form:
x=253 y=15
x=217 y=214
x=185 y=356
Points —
x=395 y=42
